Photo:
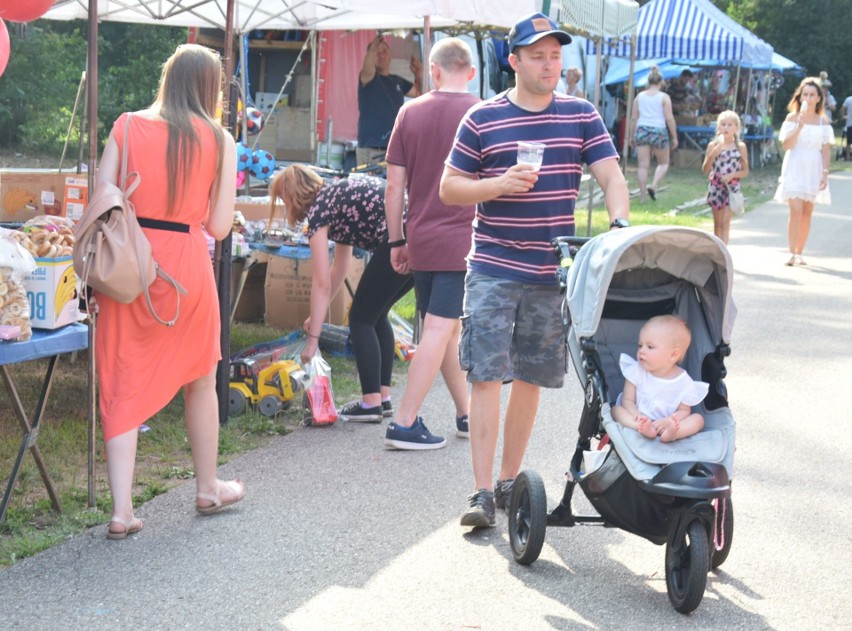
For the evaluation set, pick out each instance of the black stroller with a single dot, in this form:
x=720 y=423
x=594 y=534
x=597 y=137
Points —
x=677 y=494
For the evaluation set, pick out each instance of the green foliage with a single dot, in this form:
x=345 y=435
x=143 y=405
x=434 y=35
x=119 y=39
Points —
x=131 y=58
x=47 y=61
x=38 y=88
x=813 y=33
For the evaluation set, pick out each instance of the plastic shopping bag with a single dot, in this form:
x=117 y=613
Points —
x=319 y=397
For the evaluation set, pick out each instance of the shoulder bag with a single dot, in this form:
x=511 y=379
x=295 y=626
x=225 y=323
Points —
x=111 y=253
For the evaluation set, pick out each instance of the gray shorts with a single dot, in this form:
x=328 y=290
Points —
x=512 y=330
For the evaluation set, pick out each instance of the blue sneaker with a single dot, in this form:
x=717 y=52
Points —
x=462 y=429
x=416 y=437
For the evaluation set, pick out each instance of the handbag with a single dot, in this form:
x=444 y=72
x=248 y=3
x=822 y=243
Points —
x=736 y=201
x=111 y=253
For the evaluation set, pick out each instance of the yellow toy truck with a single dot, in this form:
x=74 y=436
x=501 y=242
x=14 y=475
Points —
x=271 y=388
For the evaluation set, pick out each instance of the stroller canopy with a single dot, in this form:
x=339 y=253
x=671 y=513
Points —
x=692 y=255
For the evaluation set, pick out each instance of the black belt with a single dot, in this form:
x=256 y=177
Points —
x=159 y=224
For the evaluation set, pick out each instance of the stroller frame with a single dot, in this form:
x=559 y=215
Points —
x=684 y=505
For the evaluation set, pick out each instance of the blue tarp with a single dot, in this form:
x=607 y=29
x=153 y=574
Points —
x=619 y=68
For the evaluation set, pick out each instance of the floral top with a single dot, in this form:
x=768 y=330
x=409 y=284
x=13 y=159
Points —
x=354 y=211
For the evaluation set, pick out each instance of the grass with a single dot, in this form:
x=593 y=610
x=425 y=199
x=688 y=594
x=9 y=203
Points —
x=163 y=459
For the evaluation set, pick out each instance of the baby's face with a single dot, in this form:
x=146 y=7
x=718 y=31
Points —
x=656 y=351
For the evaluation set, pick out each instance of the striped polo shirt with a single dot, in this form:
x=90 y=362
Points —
x=512 y=234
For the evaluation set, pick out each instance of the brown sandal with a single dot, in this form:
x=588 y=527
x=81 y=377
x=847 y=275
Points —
x=216 y=502
x=129 y=528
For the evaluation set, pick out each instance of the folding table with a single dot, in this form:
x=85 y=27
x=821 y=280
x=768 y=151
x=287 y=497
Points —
x=50 y=345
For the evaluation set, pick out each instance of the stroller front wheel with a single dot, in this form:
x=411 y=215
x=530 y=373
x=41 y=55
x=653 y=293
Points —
x=687 y=564
x=527 y=517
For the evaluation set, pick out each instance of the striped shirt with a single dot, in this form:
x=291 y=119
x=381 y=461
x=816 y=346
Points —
x=512 y=234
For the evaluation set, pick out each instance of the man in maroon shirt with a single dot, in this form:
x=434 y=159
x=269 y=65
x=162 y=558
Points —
x=437 y=238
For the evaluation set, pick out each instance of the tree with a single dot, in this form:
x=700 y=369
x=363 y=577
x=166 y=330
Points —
x=48 y=58
x=813 y=33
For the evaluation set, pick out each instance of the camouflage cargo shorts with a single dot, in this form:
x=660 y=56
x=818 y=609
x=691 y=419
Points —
x=512 y=330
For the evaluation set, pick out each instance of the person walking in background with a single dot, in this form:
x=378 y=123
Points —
x=726 y=161
x=437 y=236
x=652 y=128
x=573 y=76
x=185 y=163
x=829 y=102
x=380 y=95
x=806 y=137
x=847 y=111
x=350 y=213
x=512 y=325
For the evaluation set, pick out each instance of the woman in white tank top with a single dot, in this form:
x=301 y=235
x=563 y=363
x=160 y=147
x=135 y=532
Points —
x=652 y=128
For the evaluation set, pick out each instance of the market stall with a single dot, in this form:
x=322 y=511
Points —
x=695 y=32
x=242 y=16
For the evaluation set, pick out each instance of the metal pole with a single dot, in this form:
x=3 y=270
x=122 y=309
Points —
x=222 y=253
x=92 y=91
x=629 y=112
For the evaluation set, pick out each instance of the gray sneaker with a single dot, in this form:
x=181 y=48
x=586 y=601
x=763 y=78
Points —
x=480 y=513
x=502 y=493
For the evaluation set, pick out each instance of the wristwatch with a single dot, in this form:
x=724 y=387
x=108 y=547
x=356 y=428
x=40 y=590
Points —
x=619 y=222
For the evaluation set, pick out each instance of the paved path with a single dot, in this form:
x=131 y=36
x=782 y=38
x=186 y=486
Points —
x=337 y=533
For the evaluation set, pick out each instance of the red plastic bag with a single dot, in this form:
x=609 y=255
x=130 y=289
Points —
x=319 y=397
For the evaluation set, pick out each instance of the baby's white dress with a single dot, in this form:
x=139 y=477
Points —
x=801 y=170
x=658 y=398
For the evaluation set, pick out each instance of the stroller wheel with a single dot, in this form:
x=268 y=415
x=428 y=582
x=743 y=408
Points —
x=687 y=564
x=724 y=532
x=527 y=517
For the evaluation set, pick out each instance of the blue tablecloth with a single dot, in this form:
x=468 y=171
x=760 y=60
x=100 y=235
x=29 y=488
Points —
x=73 y=337
x=288 y=251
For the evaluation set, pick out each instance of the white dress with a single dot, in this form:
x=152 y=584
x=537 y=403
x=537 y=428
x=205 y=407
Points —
x=658 y=398
x=801 y=170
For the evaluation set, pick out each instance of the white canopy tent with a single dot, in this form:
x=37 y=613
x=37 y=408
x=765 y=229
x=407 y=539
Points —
x=241 y=16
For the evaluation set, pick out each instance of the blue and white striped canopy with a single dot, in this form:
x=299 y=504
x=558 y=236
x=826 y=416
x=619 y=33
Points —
x=693 y=30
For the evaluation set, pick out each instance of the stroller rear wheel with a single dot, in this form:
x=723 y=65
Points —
x=724 y=531
x=527 y=517
x=687 y=564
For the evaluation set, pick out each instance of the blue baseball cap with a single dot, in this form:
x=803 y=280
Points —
x=532 y=28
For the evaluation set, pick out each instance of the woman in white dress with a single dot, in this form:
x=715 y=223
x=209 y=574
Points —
x=806 y=137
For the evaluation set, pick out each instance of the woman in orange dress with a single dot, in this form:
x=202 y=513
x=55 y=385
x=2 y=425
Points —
x=185 y=163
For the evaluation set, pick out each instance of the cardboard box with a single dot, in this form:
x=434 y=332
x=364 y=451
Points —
x=53 y=290
x=251 y=301
x=288 y=292
x=76 y=197
x=24 y=194
x=255 y=211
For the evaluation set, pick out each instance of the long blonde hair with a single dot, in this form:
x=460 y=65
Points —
x=190 y=88
x=297 y=186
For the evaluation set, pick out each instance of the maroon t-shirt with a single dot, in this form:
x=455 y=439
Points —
x=439 y=236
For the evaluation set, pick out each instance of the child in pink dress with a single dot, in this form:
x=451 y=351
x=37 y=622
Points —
x=726 y=161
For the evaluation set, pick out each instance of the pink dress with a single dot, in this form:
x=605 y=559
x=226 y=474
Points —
x=142 y=364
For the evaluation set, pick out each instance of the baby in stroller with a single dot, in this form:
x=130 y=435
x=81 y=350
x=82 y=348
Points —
x=658 y=394
x=675 y=491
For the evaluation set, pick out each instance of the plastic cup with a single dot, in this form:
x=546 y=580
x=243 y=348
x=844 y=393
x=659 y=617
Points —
x=531 y=153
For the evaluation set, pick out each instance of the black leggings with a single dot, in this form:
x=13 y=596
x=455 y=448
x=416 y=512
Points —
x=369 y=328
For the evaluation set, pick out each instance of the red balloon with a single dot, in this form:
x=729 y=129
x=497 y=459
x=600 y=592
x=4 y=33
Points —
x=18 y=11
x=4 y=46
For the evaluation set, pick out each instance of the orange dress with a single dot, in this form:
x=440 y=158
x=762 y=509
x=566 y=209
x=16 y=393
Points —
x=142 y=364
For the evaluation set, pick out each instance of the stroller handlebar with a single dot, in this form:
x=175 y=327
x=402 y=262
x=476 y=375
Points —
x=566 y=249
